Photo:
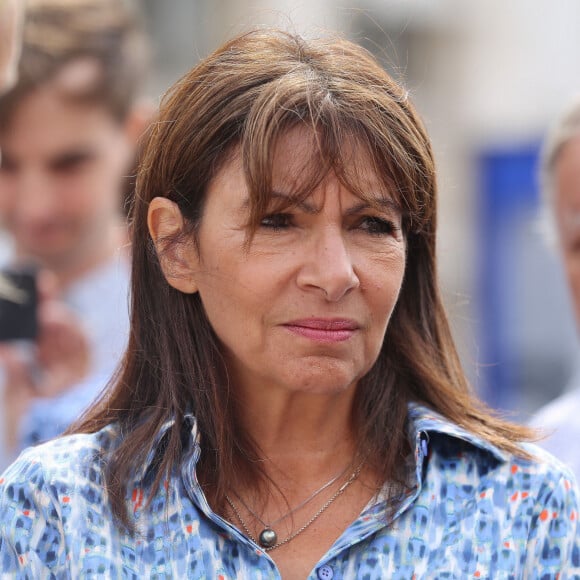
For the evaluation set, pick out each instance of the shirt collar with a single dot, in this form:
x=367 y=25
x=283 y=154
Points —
x=190 y=436
x=421 y=422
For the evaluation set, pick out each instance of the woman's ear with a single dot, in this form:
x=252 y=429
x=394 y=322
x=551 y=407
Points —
x=179 y=260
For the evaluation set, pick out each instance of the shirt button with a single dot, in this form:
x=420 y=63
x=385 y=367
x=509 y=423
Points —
x=424 y=445
x=325 y=572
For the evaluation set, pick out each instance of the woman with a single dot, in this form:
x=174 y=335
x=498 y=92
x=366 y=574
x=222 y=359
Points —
x=291 y=403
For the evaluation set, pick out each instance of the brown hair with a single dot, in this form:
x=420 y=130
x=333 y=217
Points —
x=244 y=97
x=59 y=32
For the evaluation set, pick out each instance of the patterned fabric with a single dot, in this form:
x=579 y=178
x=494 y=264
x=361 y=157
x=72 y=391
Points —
x=474 y=512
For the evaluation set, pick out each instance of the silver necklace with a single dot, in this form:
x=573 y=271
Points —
x=293 y=510
x=268 y=538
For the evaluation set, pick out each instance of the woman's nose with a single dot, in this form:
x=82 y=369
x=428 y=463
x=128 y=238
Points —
x=328 y=267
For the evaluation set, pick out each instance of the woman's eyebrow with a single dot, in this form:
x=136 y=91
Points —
x=288 y=200
x=382 y=202
x=294 y=201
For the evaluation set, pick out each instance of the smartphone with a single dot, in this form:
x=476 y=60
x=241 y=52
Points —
x=18 y=303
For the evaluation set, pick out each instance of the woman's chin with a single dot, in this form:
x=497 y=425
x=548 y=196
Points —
x=324 y=382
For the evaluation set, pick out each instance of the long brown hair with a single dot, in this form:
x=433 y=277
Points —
x=243 y=97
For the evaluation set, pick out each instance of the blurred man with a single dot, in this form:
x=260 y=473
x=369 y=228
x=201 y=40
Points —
x=561 y=183
x=10 y=29
x=10 y=46
x=68 y=134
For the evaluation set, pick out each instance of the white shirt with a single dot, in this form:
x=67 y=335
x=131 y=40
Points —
x=560 y=421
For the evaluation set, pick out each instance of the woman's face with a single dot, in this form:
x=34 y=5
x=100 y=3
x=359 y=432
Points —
x=305 y=306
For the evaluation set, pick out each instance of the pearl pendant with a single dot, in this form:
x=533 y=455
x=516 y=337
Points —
x=267 y=538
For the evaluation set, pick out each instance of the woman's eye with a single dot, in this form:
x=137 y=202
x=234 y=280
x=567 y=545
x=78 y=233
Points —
x=276 y=221
x=377 y=226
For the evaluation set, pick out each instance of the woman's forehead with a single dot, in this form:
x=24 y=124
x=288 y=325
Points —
x=297 y=167
x=300 y=158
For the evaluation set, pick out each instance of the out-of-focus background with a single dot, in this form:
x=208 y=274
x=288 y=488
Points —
x=488 y=78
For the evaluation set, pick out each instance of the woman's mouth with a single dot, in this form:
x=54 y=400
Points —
x=324 y=329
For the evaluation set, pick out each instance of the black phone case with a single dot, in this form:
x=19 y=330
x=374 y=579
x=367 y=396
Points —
x=18 y=304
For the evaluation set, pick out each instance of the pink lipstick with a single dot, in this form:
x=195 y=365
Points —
x=323 y=329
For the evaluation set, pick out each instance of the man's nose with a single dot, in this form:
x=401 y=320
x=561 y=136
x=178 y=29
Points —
x=34 y=201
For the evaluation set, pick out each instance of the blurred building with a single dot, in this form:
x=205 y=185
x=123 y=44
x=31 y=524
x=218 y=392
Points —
x=488 y=78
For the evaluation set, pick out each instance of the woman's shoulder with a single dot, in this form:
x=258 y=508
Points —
x=52 y=497
x=461 y=453
x=67 y=462
x=542 y=466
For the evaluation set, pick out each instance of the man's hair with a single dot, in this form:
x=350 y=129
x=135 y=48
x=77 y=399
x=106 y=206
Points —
x=58 y=33
x=565 y=128
x=243 y=99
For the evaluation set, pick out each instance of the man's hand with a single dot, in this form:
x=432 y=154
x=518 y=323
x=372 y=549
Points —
x=58 y=361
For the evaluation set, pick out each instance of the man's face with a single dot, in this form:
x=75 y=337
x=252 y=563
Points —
x=10 y=27
x=61 y=177
x=567 y=212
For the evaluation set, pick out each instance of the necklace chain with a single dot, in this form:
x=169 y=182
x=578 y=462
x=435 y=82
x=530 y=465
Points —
x=293 y=510
x=328 y=503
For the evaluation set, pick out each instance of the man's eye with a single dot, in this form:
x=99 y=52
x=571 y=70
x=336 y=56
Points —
x=7 y=165
x=276 y=221
x=68 y=167
x=71 y=163
x=378 y=226
x=574 y=247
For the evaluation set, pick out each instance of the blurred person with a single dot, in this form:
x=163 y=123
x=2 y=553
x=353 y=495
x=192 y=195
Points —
x=11 y=15
x=560 y=176
x=68 y=133
x=291 y=404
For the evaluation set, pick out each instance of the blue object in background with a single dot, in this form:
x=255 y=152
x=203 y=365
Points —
x=526 y=336
x=508 y=185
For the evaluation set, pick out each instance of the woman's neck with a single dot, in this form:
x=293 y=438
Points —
x=300 y=435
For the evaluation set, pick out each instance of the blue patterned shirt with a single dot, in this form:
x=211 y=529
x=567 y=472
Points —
x=473 y=512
